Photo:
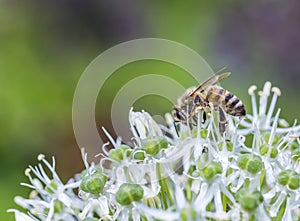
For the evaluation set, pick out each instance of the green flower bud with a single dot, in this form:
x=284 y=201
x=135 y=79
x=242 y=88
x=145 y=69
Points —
x=116 y=154
x=294 y=145
x=283 y=177
x=294 y=181
x=120 y=153
x=221 y=146
x=249 y=199
x=93 y=183
x=203 y=133
x=194 y=133
x=84 y=173
x=127 y=150
x=185 y=134
x=139 y=155
x=275 y=140
x=289 y=178
x=243 y=161
x=274 y=153
x=184 y=214
x=152 y=146
x=187 y=214
x=250 y=163
x=229 y=146
x=263 y=149
x=211 y=170
x=128 y=193
x=58 y=206
x=51 y=187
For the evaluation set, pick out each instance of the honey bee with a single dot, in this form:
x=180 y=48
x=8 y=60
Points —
x=196 y=99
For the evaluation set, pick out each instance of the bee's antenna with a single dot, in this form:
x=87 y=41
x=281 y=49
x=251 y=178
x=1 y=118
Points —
x=222 y=69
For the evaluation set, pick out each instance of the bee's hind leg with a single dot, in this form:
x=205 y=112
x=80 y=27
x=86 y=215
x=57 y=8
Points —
x=222 y=121
x=203 y=117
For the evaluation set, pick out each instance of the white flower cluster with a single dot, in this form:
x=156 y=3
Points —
x=182 y=173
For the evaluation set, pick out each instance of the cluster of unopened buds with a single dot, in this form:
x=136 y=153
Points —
x=250 y=173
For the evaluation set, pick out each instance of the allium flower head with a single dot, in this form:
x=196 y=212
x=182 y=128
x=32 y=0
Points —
x=185 y=173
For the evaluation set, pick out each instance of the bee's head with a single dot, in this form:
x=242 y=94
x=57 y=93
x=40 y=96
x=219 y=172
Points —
x=178 y=115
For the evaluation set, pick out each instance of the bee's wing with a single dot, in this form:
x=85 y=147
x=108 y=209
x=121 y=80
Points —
x=215 y=78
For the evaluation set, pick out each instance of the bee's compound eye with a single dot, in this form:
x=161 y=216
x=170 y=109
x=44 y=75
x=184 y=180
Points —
x=178 y=115
x=196 y=99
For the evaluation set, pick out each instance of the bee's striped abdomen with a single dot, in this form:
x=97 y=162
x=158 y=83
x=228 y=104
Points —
x=234 y=105
x=228 y=101
x=228 y=97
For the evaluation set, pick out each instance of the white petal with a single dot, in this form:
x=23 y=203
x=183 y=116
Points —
x=157 y=213
x=276 y=205
x=269 y=195
x=65 y=199
x=262 y=213
x=287 y=216
x=179 y=196
x=19 y=216
x=199 y=200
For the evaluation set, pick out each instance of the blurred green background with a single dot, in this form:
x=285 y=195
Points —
x=46 y=45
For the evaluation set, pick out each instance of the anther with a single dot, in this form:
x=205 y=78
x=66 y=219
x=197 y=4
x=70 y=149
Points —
x=267 y=88
x=252 y=89
x=27 y=172
x=276 y=90
x=41 y=157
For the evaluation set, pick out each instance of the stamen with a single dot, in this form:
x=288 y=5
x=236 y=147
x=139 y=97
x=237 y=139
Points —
x=283 y=123
x=276 y=205
x=36 y=171
x=252 y=89
x=109 y=137
x=264 y=98
x=254 y=108
x=104 y=150
x=276 y=90
x=272 y=106
x=51 y=168
x=33 y=194
x=100 y=155
x=38 y=185
x=148 y=122
x=51 y=211
x=199 y=124
x=27 y=172
x=267 y=88
x=273 y=131
x=84 y=158
x=43 y=173
x=28 y=185
x=286 y=130
x=41 y=157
